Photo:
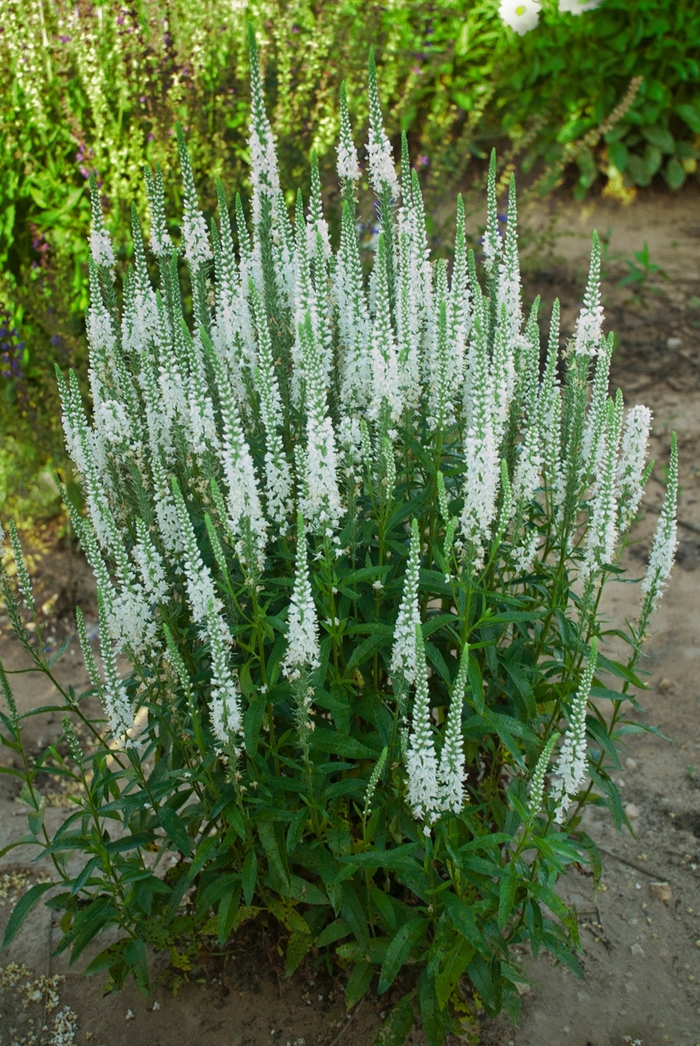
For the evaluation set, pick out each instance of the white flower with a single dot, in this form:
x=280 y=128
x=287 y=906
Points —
x=196 y=237
x=521 y=15
x=303 y=652
x=200 y=584
x=537 y=780
x=348 y=167
x=630 y=468
x=663 y=549
x=577 y=7
x=421 y=761
x=571 y=766
x=225 y=709
x=381 y=166
x=195 y=234
x=150 y=564
x=101 y=248
x=161 y=244
x=382 y=173
x=117 y=703
x=603 y=529
x=589 y=328
x=403 y=656
x=451 y=769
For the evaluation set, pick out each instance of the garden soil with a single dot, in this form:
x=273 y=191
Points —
x=640 y=928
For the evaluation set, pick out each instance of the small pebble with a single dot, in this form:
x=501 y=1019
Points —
x=661 y=891
x=632 y=811
x=673 y=343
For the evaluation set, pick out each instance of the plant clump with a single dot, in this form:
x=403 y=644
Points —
x=351 y=538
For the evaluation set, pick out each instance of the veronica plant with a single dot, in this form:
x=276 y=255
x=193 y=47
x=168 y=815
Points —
x=351 y=538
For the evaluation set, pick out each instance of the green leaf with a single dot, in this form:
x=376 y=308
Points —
x=587 y=844
x=135 y=957
x=476 y=684
x=454 y=966
x=690 y=115
x=551 y=899
x=354 y=915
x=462 y=918
x=432 y=1018
x=482 y=977
x=252 y=723
x=235 y=819
x=366 y=650
x=215 y=889
x=674 y=174
x=287 y=915
x=398 y=857
x=250 y=875
x=638 y=170
x=35 y=819
x=438 y=662
x=23 y=908
x=397 y=1026
x=172 y=824
x=617 y=151
x=338 y=929
x=324 y=740
x=615 y=668
x=98 y=915
x=523 y=687
x=276 y=854
x=298 y=945
x=107 y=958
x=506 y=894
x=599 y=733
x=226 y=915
x=399 y=950
x=358 y=983
x=611 y=695
x=659 y=137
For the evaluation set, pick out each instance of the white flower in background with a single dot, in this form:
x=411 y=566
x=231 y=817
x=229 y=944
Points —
x=577 y=7
x=521 y=15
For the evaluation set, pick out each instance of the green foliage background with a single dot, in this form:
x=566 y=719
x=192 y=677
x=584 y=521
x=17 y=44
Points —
x=101 y=86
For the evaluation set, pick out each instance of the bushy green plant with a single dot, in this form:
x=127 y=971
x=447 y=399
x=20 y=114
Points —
x=352 y=540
